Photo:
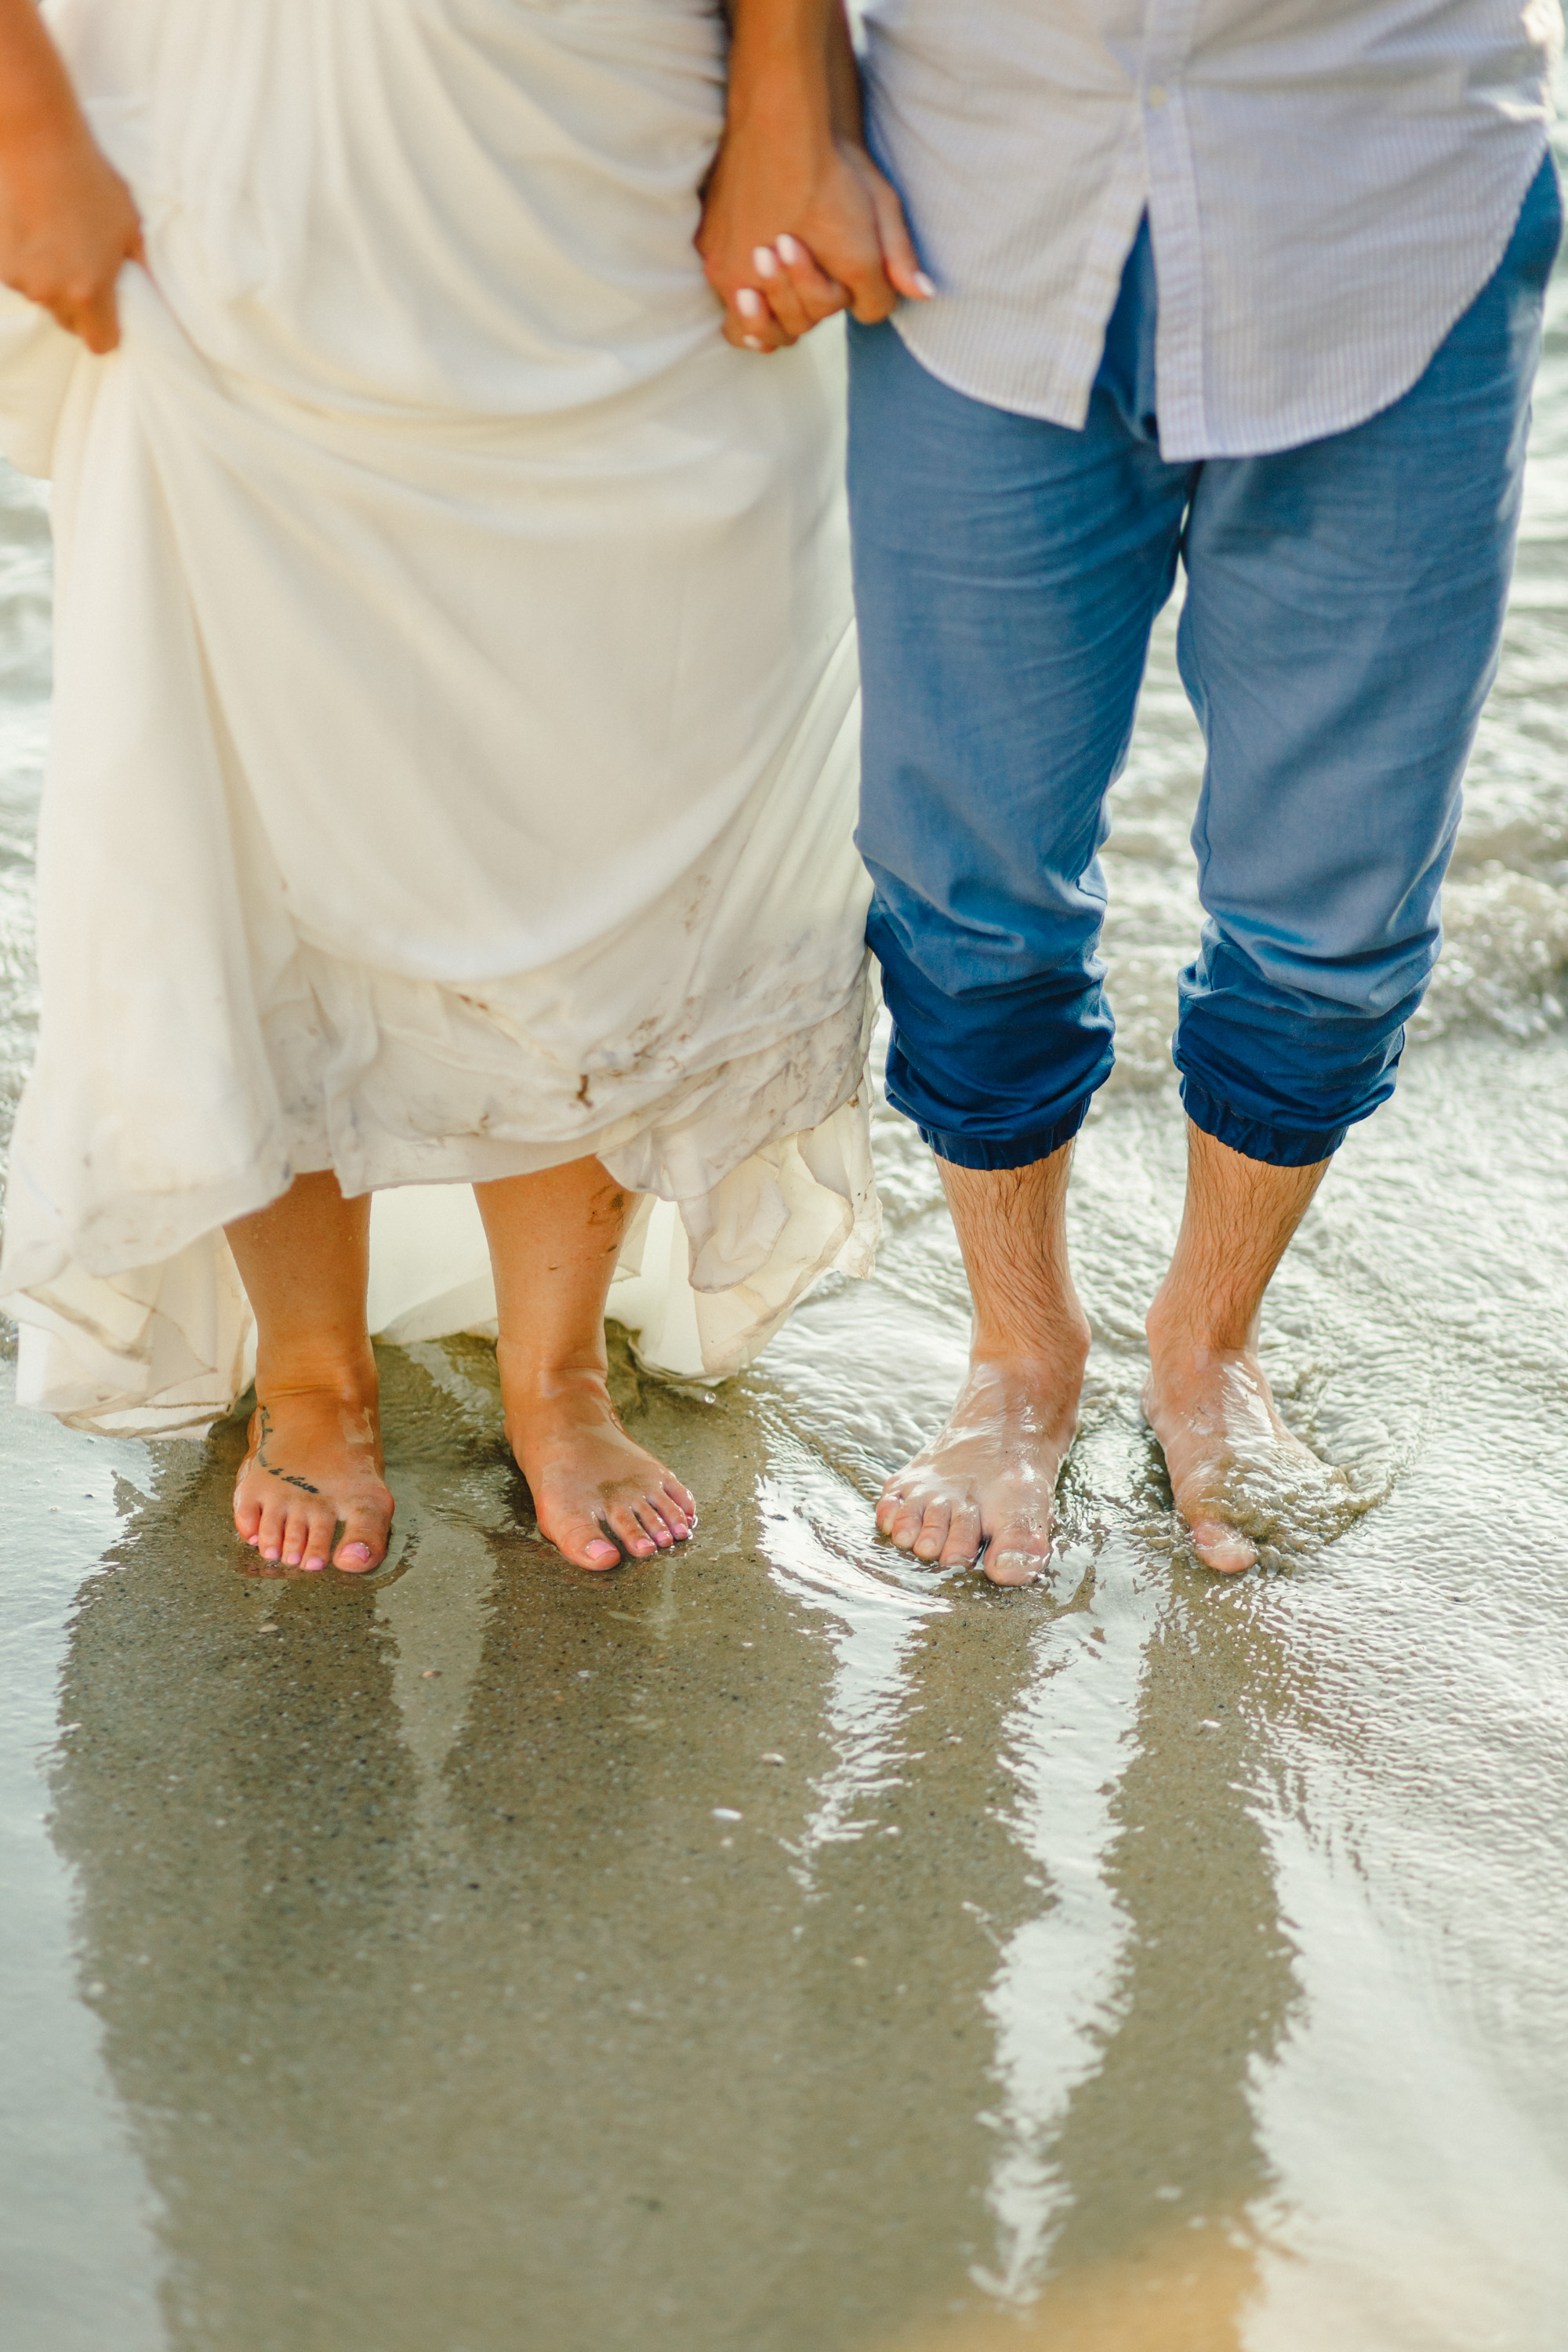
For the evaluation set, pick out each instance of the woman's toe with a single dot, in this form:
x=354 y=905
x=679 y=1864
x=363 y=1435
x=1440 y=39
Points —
x=582 y=1540
x=679 y=1510
x=669 y=1514
x=625 y=1525
x=270 y=1533
x=363 y=1543
x=684 y=1500
x=650 y=1518
x=296 y=1534
x=318 y=1530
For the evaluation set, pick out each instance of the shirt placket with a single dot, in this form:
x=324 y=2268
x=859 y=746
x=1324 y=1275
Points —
x=1175 y=225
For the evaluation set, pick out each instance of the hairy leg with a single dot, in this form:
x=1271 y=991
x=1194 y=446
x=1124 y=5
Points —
x=1230 y=1457
x=987 y=1482
x=554 y=1239
x=314 y=1462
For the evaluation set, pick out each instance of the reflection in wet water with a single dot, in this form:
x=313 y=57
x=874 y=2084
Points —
x=780 y=1948
x=783 y=1950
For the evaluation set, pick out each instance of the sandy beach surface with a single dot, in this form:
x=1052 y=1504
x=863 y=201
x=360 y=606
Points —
x=780 y=1950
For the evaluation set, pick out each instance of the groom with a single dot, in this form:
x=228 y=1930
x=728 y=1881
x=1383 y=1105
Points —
x=1250 y=285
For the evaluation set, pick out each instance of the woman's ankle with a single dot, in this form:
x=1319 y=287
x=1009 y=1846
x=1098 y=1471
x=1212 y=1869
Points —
x=544 y=1402
x=346 y=1370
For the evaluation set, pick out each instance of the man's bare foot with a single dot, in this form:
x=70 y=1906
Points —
x=987 y=1482
x=598 y=1495
x=314 y=1464
x=1238 y=1476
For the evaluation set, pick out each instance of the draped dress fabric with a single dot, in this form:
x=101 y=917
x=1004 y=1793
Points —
x=454 y=754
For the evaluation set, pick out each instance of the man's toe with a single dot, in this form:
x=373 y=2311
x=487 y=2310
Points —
x=907 y=1522
x=1223 y=1548
x=961 y=1548
x=934 y=1530
x=1016 y=1554
x=888 y=1504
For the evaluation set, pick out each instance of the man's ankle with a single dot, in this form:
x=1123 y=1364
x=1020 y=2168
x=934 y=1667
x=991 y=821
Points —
x=1198 y=1329
x=1067 y=1351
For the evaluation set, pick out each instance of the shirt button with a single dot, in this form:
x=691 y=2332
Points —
x=1155 y=95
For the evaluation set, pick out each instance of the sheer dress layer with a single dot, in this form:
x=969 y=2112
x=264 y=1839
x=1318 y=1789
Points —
x=454 y=754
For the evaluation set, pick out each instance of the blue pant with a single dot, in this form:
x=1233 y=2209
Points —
x=1343 y=608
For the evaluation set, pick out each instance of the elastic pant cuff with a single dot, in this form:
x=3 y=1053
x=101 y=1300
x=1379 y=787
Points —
x=1277 y=1146
x=1008 y=1151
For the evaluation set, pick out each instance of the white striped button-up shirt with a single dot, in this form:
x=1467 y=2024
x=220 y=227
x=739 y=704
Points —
x=1329 y=186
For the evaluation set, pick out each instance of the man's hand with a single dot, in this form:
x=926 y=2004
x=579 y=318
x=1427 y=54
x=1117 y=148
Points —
x=798 y=221
x=68 y=223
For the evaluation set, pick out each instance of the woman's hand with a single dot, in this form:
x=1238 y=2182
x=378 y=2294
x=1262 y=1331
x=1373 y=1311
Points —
x=68 y=223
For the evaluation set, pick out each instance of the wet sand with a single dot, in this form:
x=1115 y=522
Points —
x=445 y=1962
x=782 y=1949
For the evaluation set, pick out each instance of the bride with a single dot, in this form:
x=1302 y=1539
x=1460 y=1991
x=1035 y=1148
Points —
x=453 y=767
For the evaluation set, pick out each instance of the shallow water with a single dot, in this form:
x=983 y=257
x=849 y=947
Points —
x=781 y=1951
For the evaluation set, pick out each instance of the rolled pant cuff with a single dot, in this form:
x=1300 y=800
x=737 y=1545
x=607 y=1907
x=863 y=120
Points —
x=1277 y=1147
x=1008 y=1151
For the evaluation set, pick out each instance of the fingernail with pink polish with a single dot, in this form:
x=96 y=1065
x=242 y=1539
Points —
x=750 y=303
x=753 y=343
x=789 y=251
x=766 y=262
x=923 y=286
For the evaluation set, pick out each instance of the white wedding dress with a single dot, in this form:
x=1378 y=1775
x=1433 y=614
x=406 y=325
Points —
x=454 y=748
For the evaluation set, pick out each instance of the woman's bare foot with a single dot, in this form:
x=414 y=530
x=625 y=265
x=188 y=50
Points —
x=314 y=1464
x=1237 y=1475
x=598 y=1495
x=987 y=1482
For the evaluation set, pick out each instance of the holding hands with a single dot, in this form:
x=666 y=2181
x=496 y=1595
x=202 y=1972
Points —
x=798 y=221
